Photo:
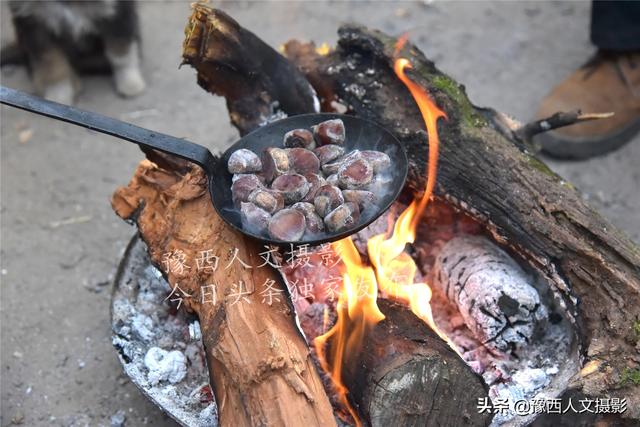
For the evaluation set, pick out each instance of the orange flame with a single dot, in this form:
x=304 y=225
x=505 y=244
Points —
x=356 y=310
x=395 y=269
x=392 y=270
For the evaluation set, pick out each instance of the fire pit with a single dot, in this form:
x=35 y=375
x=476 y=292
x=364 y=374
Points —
x=484 y=285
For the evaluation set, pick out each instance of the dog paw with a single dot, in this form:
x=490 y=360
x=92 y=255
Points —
x=129 y=81
x=62 y=92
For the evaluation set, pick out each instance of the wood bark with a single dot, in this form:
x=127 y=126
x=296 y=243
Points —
x=259 y=364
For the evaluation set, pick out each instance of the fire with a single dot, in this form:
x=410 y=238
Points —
x=395 y=269
x=357 y=311
x=392 y=271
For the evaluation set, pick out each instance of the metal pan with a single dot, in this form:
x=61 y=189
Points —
x=361 y=134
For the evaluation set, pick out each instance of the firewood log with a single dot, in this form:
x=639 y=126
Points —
x=407 y=376
x=259 y=364
x=255 y=85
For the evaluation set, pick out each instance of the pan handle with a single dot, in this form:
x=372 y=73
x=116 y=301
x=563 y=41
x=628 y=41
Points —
x=146 y=138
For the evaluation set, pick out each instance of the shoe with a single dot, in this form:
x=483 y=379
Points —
x=609 y=82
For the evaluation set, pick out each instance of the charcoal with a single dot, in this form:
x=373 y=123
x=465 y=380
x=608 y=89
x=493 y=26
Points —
x=329 y=132
x=493 y=294
x=244 y=161
x=288 y=225
x=327 y=199
x=362 y=198
x=378 y=160
x=313 y=220
x=293 y=187
x=355 y=174
x=315 y=182
x=275 y=162
x=243 y=187
x=254 y=219
x=303 y=161
x=269 y=200
x=343 y=217
x=328 y=153
x=301 y=138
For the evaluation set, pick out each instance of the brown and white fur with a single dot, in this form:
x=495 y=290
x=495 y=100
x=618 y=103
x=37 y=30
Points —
x=58 y=37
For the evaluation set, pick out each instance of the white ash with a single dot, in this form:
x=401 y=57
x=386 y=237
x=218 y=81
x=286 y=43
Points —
x=194 y=331
x=492 y=293
x=209 y=415
x=142 y=327
x=175 y=377
x=536 y=367
x=165 y=365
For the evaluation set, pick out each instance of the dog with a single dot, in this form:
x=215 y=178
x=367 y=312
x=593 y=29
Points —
x=59 y=38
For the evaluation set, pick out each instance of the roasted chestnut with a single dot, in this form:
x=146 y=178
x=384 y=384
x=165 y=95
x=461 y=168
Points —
x=293 y=187
x=244 y=161
x=299 y=138
x=303 y=161
x=288 y=225
x=343 y=217
x=275 y=162
x=329 y=132
x=328 y=197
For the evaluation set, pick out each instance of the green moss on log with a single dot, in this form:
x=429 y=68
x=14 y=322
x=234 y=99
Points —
x=455 y=91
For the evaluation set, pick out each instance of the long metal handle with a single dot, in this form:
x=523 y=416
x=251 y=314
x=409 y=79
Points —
x=110 y=126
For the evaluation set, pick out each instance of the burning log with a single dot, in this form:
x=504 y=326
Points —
x=260 y=367
x=408 y=376
x=491 y=291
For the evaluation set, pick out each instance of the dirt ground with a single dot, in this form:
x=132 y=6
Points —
x=61 y=242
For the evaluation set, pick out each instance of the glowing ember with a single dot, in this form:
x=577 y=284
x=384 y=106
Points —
x=392 y=271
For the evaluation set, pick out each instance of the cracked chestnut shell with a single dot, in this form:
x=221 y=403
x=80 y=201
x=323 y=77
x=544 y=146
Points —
x=302 y=138
x=275 y=162
x=343 y=217
x=327 y=199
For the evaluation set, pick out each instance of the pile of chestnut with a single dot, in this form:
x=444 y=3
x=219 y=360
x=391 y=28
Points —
x=309 y=186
